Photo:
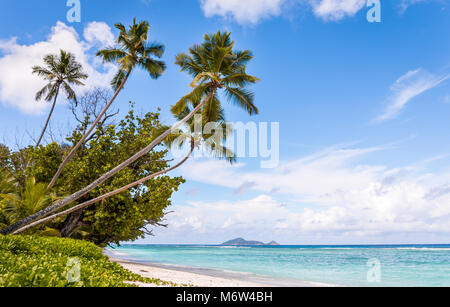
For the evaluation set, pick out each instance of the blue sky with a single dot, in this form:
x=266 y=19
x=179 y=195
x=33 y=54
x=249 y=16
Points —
x=363 y=111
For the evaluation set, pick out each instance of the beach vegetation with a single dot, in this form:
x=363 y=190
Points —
x=127 y=216
x=133 y=50
x=34 y=261
x=95 y=174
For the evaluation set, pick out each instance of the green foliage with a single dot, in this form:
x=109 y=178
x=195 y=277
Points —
x=27 y=200
x=6 y=187
x=4 y=157
x=124 y=217
x=215 y=65
x=133 y=50
x=61 y=71
x=30 y=261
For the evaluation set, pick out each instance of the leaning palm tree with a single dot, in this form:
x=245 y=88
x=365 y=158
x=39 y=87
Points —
x=215 y=66
x=132 y=50
x=61 y=71
x=212 y=135
x=212 y=142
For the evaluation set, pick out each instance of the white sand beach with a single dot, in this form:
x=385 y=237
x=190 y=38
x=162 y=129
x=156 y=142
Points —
x=182 y=277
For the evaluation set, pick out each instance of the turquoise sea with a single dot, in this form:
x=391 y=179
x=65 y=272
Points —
x=381 y=265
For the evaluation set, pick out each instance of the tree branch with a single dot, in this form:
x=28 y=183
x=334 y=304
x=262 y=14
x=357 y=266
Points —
x=105 y=196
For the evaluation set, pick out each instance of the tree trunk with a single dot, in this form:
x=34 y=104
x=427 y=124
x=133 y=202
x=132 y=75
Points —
x=104 y=177
x=72 y=152
x=17 y=229
x=48 y=120
x=72 y=224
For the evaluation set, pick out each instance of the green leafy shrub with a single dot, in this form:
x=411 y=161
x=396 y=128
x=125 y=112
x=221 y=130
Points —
x=31 y=261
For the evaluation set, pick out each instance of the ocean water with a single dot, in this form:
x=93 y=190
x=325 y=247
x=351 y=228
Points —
x=388 y=265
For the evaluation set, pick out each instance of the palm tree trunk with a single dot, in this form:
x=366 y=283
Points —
x=48 y=120
x=94 y=125
x=106 y=176
x=105 y=196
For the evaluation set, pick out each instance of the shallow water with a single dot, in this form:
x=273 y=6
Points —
x=387 y=265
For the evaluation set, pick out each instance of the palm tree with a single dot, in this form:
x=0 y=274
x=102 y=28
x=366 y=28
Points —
x=61 y=72
x=211 y=119
x=100 y=198
x=214 y=118
x=214 y=66
x=132 y=50
x=27 y=200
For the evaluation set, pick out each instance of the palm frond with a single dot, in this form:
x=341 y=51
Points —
x=153 y=49
x=111 y=54
x=220 y=152
x=154 y=68
x=42 y=92
x=70 y=93
x=212 y=111
x=242 y=98
x=118 y=79
x=239 y=80
x=194 y=96
x=214 y=66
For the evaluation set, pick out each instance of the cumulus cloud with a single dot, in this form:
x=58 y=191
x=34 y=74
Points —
x=17 y=83
x=408 y=87
x=336 y=9
x=333 y=196
x=98 y=33
x=298 y=178
x=248 y=11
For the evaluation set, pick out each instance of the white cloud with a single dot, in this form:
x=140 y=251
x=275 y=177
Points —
x=99 y=32
x=244 y=11
x=298 y=178
x=253 y=11
x=17 y=83
x=406 y=88
x=334 y=198
x=336 y=9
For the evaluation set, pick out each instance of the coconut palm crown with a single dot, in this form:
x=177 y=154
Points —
x=134 y=50
x=61 y=72
x=214 y=65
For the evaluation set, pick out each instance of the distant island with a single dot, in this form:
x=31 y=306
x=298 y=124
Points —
x=242 y=242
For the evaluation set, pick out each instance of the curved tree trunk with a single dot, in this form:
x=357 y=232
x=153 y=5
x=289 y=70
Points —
x=106 y=176
x=103 y=197
x=48 y=120
x=72 y=224
x=82 y=140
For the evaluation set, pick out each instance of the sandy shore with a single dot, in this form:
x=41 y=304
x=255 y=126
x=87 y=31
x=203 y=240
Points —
x=182 y=277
